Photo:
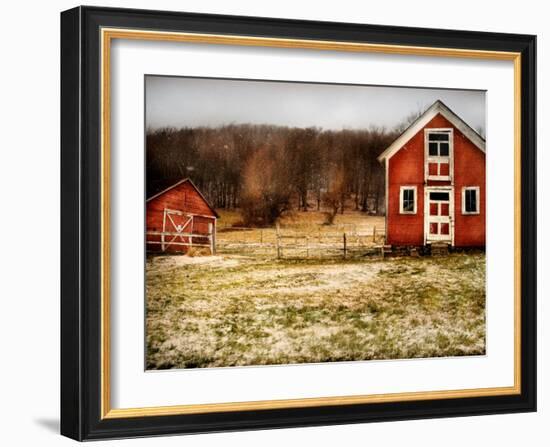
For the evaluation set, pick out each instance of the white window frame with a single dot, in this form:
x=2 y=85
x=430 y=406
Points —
x=438 y=159
x=401 y=191
x=470 y=188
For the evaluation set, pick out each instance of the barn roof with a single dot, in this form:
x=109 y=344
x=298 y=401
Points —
x=436 y=108
x=194 y=187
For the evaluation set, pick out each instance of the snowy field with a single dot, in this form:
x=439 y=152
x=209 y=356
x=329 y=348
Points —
x=234 y=310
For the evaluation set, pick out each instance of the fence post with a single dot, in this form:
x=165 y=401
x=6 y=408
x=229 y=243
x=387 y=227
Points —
x=261 y=236
x=215 y=228
x=278 y=241
x=374 y=234
x=345 y=247
x=163 y=231
x=307 y=246
x=319 y=250
x=211 y=234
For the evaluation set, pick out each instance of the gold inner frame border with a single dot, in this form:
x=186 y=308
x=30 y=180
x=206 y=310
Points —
x=107 y=36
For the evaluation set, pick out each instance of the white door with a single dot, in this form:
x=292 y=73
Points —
x=438 y=215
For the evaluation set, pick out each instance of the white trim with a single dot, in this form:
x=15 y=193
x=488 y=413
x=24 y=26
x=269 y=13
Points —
x=470 y=213
x=401 y=190
x=386 y=200
x=185 y=231
x=451 y=237
x=438 y=159
x=196 y=189
x=424 y=119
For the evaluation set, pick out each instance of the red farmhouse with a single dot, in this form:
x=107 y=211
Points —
x=435 y=182
x=179 y=218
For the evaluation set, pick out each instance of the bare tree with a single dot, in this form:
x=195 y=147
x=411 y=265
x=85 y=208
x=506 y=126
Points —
x=410 y=118
x=265 y=194
x=265 y=170
x=333 y=197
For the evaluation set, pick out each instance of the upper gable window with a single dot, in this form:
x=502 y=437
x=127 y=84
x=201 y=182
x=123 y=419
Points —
x=438 y=153
x=438 y=144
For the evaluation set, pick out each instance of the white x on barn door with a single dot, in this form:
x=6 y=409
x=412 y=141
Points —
x=177 y=226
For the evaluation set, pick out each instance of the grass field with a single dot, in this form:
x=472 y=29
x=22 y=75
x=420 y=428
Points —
x=231 y=310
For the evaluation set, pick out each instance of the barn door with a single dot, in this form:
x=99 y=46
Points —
x=176 y=228
x=438 y=215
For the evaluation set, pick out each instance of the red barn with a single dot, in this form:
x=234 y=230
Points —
x=435 y=182
x=179 y=218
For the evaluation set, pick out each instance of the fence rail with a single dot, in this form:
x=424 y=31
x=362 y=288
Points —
x=295 y=244
x=180 y=239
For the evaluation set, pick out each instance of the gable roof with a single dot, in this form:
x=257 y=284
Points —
x=194 y=187
x=417 y=125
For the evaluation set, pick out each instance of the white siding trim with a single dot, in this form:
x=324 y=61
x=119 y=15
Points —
x=424 y=119
x=386 y=200
x=464 y=189
x=403 y=188
x=438 y=159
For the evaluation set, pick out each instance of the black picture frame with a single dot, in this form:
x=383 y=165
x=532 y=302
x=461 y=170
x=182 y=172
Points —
x=81 y=223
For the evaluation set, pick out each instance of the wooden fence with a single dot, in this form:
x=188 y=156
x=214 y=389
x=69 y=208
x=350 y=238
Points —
x=295 y=244
x=181 y=239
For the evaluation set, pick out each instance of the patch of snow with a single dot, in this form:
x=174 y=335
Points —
x=213 y=261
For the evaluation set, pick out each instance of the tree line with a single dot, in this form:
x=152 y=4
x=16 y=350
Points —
x=267 y=170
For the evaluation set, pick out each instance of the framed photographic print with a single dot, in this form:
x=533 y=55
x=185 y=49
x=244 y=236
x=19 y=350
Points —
x=276 y=223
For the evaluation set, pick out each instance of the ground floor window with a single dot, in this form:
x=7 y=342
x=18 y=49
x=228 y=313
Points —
x=470 y=200
x=407 y=200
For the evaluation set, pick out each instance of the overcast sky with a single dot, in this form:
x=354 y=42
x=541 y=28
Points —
x=190 y=102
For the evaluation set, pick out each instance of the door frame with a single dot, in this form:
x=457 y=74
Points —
x=450 y=190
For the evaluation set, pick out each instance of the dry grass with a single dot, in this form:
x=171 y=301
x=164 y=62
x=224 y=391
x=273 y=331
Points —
x=358 y=227
x=220 y=311
x=310 y=219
